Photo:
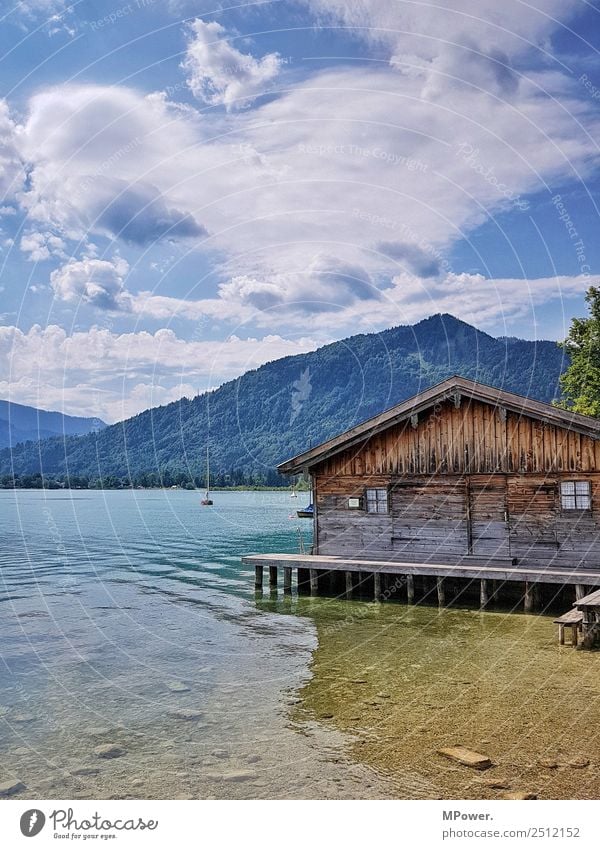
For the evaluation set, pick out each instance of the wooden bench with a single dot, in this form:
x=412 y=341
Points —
x=572 y=619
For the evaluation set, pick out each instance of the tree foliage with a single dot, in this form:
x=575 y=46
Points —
x=580 y=383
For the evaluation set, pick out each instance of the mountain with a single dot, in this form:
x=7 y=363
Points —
x=19 y=423
x=288 y=405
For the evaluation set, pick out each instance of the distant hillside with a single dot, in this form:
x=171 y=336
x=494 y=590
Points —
x=276 y=411
x=19 y=423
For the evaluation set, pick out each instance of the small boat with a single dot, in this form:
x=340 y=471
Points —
x=207 y=500
x=307 y=513
x=294 y=494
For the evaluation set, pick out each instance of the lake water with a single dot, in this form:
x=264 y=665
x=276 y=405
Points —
x=122 y=611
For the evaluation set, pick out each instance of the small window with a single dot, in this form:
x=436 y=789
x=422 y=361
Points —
x=377 y=501
x=575 y=495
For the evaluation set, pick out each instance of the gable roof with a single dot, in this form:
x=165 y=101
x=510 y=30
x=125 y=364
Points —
x=447 y=390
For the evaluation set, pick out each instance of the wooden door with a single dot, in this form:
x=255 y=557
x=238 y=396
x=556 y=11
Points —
x=488 y=516
x=429 y=519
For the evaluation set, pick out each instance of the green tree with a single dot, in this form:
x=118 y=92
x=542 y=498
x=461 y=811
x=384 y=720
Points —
x=580 y=383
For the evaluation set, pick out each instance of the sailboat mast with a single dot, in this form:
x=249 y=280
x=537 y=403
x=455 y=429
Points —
x=207 y=470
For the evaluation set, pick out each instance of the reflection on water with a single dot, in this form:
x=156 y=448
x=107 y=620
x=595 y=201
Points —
x=127 y=619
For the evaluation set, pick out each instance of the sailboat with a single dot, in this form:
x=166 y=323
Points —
x=294 y=494
x=207 y=500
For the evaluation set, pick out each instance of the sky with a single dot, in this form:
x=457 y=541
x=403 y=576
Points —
x=188 y=190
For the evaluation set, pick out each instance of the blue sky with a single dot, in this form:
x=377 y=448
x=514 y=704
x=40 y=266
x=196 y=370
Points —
x=187 y=192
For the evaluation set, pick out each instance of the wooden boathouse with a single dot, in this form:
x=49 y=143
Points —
x=460 y=483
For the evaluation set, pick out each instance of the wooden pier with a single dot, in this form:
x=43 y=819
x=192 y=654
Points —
x=311 y=569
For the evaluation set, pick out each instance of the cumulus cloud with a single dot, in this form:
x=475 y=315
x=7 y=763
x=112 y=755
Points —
x=326 y=285
x=140 y=215
x=219 y=74
x=98 y=282
x=113 y=375
x=104 y=159
x=12 y=171
x=40 y=246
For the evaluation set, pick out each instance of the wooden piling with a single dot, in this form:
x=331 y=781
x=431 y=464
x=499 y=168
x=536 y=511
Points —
x=349 y=584
x=528 y=601
x=441 y=592
x=376 y=586
x=287 y=579
x=410 y=589
x=258 y=577
x=272 y=576
x=580 y=591
x=314 y=582
x=483 y=594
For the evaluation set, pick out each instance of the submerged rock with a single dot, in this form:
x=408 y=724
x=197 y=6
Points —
x=186 y=713
x=85 y=770
x=578 y=763
x=495 y=784
x=237 y=775
x=178 y=687
x=22 y=717
x=109 y=750
x=519 y=794
x=11 y=788
x=466 y=757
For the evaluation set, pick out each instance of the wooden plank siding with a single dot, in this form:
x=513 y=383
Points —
x=473 y=439
x=463 y=479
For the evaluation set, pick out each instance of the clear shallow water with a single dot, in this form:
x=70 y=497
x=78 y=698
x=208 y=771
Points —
x=107 y=599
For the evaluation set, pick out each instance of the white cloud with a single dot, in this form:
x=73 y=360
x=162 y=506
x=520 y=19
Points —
x=12 y=173
x=219 y=74
x=113 y=375
x=99 y=282
x=453 y=41
x=104 y=160
x=42 y=246
x=316 y=201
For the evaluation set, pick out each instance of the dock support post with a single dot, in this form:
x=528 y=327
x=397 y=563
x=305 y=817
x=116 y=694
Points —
x=377 y=586
x=349 y=584
x=272 y=576
x=287 y=579
x=528 y=606
x=483 y=594
x=410 y=589
x=561 y=634
x=441 y=592
x=314 y=582
x=579 y=591
x=258 y=577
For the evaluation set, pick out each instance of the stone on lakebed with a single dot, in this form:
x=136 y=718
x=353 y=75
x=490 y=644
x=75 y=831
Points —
x=466 y=757
x=109 y=750
x=186 y=713
x=10 y=788
x=178 y=687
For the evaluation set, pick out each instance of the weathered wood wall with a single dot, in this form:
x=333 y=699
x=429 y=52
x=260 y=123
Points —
x=474 y=438
x=468 y=481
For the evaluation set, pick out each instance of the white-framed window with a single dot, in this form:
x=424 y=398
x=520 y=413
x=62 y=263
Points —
x=576 y=495
x=377 y=500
